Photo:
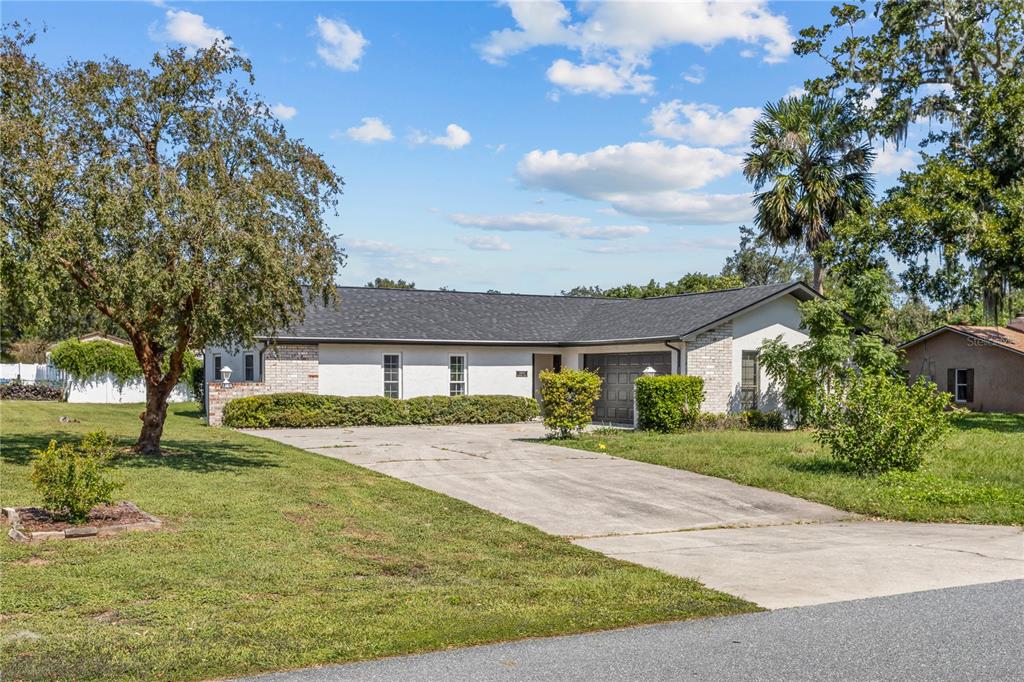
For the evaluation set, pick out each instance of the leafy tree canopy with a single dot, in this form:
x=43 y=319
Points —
x=957 y=222
x=692 y=282
x=758 y=261
x=385 y=283
x=167 y=198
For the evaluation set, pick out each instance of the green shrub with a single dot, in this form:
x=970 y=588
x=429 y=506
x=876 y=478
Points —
x=669 y=402
x=73 y=479
x=719 y=421
x=295 y=410
x=567 y=399
x=876 y=423
x=763 y=421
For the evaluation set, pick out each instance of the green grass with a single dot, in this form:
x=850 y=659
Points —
x=275 y=558
x=974 y=476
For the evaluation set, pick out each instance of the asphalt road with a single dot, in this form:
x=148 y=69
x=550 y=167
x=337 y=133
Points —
x=960 y=633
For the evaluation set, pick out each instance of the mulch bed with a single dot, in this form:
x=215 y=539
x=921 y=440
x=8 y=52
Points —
x=33 y=523
x=36 y=519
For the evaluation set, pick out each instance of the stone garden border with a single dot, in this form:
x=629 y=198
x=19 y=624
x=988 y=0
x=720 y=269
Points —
x=19 y=534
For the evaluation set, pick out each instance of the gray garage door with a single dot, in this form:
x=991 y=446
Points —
x=619 y=371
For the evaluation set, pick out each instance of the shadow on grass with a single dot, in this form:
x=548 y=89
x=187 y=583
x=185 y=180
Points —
x=184 y=455
x=991 y=421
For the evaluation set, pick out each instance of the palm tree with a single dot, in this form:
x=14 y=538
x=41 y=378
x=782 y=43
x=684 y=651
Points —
x=810 y=167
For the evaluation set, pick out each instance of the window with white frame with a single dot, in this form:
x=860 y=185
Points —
x=964 y=385
x=216 y=367
x=457 y=375
x=250 y=367
x=392 y=365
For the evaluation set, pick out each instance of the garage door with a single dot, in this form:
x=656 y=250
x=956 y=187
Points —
x=619 y=371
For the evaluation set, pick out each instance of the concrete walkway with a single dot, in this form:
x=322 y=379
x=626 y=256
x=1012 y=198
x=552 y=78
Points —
x=964 y=633
x=770 y=548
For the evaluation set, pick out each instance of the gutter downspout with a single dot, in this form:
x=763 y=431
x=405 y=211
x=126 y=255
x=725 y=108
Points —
x=679 y=357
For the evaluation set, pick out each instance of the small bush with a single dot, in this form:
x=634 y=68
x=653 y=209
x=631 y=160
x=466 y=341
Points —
x=719 y=421
x=73 y=479
x=296 y=410
x=567 y=399
x=876 y=423
x=763 y=421
x=668 y=402
x=19 y=391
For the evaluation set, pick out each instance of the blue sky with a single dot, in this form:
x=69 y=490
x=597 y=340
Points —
x=527 y=147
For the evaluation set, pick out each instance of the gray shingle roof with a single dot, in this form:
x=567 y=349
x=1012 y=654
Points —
x=364 y=314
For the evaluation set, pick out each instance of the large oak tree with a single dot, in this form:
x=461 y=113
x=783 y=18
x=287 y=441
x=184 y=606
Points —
x=168 y=198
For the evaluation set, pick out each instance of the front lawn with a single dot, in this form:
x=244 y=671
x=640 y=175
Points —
x=272 y=558
x=975 y=476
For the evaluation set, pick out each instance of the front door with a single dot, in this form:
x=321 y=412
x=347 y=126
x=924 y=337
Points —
x=618 y=371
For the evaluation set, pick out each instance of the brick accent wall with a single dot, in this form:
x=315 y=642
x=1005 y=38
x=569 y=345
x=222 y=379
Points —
x=709 y=356
x=291 y=368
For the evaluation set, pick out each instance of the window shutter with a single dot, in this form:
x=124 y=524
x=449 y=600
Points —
x=970 y=385
x=951 y=381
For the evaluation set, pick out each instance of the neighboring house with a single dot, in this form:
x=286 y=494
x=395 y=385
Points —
x=983 y=367
x=407 y=343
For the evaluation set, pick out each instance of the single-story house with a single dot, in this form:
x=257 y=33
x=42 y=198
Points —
x=983 y=367
x=406 y=343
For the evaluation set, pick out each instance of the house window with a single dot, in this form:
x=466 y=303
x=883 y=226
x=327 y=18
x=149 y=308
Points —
x=216 y=367
x=250 y=367
x=457 y=375
x=961 y=381
x=392 y=375
x=749 y=373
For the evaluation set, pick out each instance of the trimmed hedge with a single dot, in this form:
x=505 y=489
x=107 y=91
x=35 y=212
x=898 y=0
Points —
x=669 y=402
x=307 y=410
x=764 y=421
x=567 y=398
x=18 y=391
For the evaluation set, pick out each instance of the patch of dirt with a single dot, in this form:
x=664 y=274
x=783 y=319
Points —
x=35 y=519
x=34 y=561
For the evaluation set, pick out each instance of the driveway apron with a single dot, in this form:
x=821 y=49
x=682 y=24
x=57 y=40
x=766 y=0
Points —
x=773 y=549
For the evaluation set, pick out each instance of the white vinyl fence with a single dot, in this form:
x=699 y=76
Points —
x=102 y=389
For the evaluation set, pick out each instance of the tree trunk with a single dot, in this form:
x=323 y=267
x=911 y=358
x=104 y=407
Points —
x=819 y=275
x=153 y=418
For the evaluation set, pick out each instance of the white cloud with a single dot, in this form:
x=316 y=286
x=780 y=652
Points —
x=645 y=179
x=520 y=222
x=372 y=130
x=610 y=232
x=395 y=256
x=601 y=79
x=633 y=167
x=795 y=91
x=890 y=161
x=340 y=46
x=191 y=29
x=455 y=137
x=702 y=123
x=684 y=208
x=489 y=242
x=573 y=227
x=283 y=111
x=695 y=74
x=616 y=38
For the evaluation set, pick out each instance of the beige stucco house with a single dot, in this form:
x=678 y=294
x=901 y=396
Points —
x=983 y=367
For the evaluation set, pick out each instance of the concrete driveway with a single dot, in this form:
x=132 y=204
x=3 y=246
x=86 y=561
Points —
x=770 y=548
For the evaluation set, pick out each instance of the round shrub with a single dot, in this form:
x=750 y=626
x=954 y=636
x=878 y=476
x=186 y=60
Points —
x=298 y=410
x=567 y=399
x=73 y=479
x=877 y=423
x=669 y=402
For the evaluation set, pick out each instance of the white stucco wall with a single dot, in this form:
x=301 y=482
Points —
x=780 y=317
x=235 y=360
x=357 y=369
